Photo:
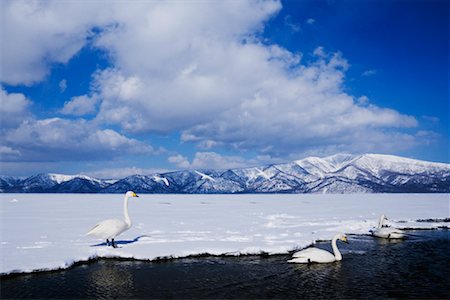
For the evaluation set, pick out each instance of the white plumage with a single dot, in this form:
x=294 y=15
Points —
x=387 y=232
x=111 y=228
x=316 y=255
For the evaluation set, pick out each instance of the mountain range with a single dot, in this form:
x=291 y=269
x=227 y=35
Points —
x=341 y=173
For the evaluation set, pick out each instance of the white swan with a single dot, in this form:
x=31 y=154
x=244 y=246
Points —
x=316 y=255
x=109 y=229
x=386 y=232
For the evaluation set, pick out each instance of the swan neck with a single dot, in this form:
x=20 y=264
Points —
x=380 y=222
x=337 y=253
x=125 y=211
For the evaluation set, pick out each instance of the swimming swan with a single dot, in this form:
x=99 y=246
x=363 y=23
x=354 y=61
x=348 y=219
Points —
x=386 y=232
x=316 y=255
x=109 y=229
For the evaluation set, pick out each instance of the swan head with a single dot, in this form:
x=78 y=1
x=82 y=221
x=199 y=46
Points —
x=383 y=217
x=343 y=238
x=131 y=194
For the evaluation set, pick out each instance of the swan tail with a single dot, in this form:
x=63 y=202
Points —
x=299 y=260
x=92 y=230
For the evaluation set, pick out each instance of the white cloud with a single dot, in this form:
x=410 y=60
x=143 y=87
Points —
x=80 y=105
x=306 y=110
x=363 y=100
x=220 y=91
x=369 y=73
x=62 y=85
x=213 y=160
x=8 y=151
x=13 y=109
x=179 y=161
x=310 y=21
x=199 y=68
x=59 y=139
x=36 y=34
x=292 y=25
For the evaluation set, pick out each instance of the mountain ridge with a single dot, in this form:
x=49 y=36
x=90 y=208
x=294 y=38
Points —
x=340 y=173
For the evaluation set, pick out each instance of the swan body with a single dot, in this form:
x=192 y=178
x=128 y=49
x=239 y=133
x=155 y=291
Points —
x=111 y=228
x=316 y=255
x=386 y=232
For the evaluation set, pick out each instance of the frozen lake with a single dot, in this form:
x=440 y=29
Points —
x=47 y=231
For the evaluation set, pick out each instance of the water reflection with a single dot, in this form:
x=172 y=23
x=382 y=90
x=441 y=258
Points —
x=382 y=242
x=108 y=280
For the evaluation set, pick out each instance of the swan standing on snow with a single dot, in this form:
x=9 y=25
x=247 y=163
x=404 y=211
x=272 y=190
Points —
x=386 y=232
x=316 y=255
x=109 y=229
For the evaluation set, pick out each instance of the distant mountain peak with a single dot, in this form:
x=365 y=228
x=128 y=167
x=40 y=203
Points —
x=340 y=173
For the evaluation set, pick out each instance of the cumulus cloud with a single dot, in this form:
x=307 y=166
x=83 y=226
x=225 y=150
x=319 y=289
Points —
x=13 y=109
x=196 y=68
x=213 y=160
x=220 y=91
x=80 y=105
x=310 y=110
x=36 y=34
x=8 y=153
x=59 y=139
x=180 y=161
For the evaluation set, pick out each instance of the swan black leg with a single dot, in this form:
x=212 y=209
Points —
x=112 y=242
x=107 y=242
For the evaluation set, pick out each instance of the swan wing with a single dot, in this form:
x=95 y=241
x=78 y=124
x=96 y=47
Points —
x=299 y=260
x=313 y=255
x=108 y=229
x=388 y=233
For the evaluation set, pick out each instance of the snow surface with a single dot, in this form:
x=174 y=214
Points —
x=47 y=231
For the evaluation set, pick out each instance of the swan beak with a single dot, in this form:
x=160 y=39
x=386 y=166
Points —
x=345 y=240
x=135 y=195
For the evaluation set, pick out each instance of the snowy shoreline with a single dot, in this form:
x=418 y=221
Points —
x=45 y=232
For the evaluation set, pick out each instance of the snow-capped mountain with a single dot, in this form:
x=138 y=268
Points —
x=54 y=183
x=342 y=173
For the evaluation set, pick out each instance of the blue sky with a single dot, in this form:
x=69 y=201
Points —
x=111 y=89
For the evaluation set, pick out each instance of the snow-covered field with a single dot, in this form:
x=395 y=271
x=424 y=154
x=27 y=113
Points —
x=47 y=231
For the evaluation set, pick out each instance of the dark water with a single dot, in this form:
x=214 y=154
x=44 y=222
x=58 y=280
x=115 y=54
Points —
x=415 y=268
